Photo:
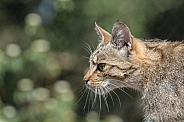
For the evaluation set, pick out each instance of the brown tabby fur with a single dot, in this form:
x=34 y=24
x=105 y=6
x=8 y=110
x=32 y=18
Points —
x=153 y=67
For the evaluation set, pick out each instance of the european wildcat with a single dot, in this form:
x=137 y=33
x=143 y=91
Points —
x=153 y=67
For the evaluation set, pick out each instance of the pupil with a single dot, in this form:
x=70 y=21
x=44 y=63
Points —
x=101 y=66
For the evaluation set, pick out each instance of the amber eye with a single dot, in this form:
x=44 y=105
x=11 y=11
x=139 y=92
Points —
x=101 y=66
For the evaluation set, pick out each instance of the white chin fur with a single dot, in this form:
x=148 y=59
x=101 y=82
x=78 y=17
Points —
x=104 y=89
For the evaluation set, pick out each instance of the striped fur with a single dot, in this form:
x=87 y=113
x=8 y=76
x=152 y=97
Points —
x=153 y=67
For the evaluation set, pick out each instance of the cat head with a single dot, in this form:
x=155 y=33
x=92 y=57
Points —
x=111 y=64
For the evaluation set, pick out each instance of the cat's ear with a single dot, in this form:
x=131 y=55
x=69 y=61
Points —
x=121 y=37
x=104 y=35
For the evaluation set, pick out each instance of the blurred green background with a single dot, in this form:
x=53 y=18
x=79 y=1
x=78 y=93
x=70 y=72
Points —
x=42 y=55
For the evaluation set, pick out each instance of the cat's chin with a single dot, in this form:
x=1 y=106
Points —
x=102 y=90
x=98 y=90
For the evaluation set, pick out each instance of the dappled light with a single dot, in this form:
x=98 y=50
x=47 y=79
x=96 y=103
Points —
x=43 y=60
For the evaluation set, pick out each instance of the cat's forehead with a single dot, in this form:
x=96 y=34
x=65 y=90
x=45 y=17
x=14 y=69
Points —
x=97 y=56
x=106 y=53
x=100 y=53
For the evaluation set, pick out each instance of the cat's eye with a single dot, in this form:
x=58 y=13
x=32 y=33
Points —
x=101 y=66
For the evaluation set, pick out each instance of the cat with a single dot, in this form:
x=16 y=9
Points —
x=153 y=67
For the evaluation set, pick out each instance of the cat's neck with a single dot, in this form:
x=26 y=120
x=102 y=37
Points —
x=154 y=59
x=161 y=82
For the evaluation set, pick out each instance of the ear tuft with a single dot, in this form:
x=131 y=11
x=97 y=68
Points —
x=121 y=35
x=104 y=35
x=98 y=31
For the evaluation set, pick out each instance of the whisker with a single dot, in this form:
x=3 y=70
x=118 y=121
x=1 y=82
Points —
x=88 y=47
x=87 y=50
x=116 y=96
x=125 y=84
x=108 y=91
x=90 y=99
x=86 y=57
x=86 y=100
x=94 y=101
x=106 y=95
x=121 y=82
x=122 y=90
x=100 y=102
x=81 y=96
x=84 y=88
x=101 y=89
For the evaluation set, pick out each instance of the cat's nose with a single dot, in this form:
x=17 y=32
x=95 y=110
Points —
x=85 y=80
x=87 y=77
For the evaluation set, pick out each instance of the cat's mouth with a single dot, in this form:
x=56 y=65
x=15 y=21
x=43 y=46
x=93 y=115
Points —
x=98 y=87
x=101 y=88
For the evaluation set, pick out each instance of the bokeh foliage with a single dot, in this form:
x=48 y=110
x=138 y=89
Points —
x=41 y=50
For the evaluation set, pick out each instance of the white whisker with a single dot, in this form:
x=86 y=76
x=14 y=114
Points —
x=129 y=86
x=100 y=102
x=94 y=101
x=88 y=47
x=82 y=95
x=86 y=100
x=108 y=91
x=87 y=50
x=120 y=82
x=86 y=57
x=101 y=89
x=122 y=90
x=84 y=88
x=90 y=99
x=116 y=95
